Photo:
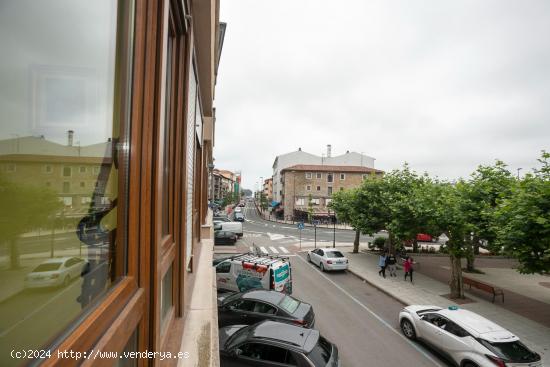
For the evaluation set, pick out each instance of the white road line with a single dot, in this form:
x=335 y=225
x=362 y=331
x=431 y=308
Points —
x=284 y=250
x=274 y=226
x=251 y=249
x=377 y=317
x=262 y=249
x=273 y=249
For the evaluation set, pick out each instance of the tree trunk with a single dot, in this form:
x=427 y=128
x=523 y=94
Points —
x=14 y=255
x=356 y=241
x=470 y=258
x=456 y=284
x=415 y=245
x=389 y=246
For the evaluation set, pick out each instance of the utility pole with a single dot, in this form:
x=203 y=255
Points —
x=334 y=231
x=315 y=227
x=519 y=169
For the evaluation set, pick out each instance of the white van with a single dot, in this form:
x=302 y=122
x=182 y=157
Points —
x=235 y=227
x=248 y=271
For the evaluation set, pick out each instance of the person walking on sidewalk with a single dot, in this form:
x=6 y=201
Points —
x=382 y=265
x=408 y=267
x=391 y=261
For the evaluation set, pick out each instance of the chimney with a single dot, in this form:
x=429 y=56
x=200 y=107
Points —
x=299 y=149
x=329 y=148
x=70 y=135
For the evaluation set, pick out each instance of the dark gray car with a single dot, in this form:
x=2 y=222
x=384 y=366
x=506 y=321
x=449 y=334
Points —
x=255 y=305
x=271 y=343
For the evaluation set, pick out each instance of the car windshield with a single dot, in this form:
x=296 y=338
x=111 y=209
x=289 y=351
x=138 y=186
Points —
x=514 y=352
x=231 y=298
x=46 y=267
x=289 y=304
x=320 y=354
x=334 y=254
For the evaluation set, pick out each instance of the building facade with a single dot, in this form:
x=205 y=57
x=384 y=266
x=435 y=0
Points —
x=268 y=189
x=300 y=157
x=224 y=184
x=309 y=188
x=106 y=137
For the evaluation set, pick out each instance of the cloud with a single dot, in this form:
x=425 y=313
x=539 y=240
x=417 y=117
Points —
x=445 y=86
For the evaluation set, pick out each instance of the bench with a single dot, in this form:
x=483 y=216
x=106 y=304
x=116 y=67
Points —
x=484 y=287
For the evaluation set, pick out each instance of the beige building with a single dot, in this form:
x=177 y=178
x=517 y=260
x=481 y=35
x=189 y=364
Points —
x=224 y=183
x=302 y=184
x=268 y=189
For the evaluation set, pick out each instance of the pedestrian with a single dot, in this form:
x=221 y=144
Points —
x=390 y=263
x=382 y=265
x=408 y=267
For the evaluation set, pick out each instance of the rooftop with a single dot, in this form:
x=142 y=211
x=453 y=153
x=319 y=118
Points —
x=327 y=168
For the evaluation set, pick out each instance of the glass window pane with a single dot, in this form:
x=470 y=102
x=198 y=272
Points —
x=166 y=294
x=64 y=103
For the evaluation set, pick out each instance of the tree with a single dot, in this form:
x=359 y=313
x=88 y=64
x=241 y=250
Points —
x=346 y=207
x=487 y=186
x=263 y=201
x=523 y=221
x=24 y=208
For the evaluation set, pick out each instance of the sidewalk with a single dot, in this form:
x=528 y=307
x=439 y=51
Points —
x=428 y=291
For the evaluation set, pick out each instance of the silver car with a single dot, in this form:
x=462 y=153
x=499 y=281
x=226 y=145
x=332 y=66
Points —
x=466 y=338
x=55 y=272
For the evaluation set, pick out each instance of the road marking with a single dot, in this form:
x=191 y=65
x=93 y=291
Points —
x=262 y=249
x=418 y=349
x=265 y=224
x=274 y=226
x=251 y=249
x=284 y=250
x=273 y=249
x=275 y=236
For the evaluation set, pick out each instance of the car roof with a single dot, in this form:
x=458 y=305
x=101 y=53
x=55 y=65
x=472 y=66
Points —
x=273 y=297
x=57 y=260
x=478 y=325
x=329 y=249
x=294 y=336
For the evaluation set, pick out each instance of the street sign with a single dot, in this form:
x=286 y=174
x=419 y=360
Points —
x=316 y=222
x=300 y=226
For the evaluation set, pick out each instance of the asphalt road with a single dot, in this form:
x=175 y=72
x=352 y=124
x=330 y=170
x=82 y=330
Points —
x=361 y=320
x=253 y=223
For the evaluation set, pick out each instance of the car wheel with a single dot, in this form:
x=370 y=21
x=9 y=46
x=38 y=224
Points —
x=66 y=281
x=408 y=329
x=322 y=266
x=308 y=258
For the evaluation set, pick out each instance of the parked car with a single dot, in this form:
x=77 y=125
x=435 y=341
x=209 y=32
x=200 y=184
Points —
x=224 y=238
x=221 y=218
x=466 y=338
x=271 y=343
x=422 y=237
x=55 y=272
x=238 y=209
x=235 y=227
x=239 y=217
x=255 y=305
x=328 y=259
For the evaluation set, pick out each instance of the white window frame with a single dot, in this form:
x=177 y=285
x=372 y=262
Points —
x=82 y=169
x=308 y=187
x=46 y=167
x=319 y=175
x=309 y=175
x=342 y=176
x=300 y=202
x=70 y=170
x=315 y=201
x=318 y=188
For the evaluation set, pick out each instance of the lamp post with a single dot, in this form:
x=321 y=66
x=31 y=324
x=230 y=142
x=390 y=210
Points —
x=211 y=168
x=519 y=169
x=333 y=228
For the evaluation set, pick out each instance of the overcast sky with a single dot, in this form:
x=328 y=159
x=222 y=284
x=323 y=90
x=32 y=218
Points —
x=442 y=85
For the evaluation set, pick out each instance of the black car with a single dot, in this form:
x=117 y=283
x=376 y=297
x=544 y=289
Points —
x=256 y=305
x=224 y=238
x=271 y=343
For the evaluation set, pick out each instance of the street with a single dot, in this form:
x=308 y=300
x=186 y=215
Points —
x=361 y=320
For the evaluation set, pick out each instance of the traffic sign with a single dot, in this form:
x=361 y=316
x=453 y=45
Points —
x=300 y=225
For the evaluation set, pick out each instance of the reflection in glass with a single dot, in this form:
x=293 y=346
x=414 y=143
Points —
x=166 y=294
x=63 y=113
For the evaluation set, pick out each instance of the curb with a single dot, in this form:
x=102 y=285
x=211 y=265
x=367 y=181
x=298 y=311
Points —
x=397 y=298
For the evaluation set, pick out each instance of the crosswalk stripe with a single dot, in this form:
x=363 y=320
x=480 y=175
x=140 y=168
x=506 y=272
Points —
x=273 y=249
x=251 y=249
x=284 y=250
x=262 y=249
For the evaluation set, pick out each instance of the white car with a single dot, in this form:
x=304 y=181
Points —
x=55 y=272
x=238 y=209
x=466 y=338
x=328 y=259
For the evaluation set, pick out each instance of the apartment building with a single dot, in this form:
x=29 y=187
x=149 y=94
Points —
x=224 y=183
x=300 y=157
x=268 y=189
x=106 y=138
x=309 y=187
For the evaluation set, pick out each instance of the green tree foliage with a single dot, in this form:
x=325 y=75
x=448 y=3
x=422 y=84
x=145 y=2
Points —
x=523 y=221
x=24 y=208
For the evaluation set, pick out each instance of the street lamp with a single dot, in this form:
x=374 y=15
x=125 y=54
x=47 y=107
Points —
x=519 y=169
x=333 y=228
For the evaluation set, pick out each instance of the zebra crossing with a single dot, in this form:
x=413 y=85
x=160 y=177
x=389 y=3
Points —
x=270 y=250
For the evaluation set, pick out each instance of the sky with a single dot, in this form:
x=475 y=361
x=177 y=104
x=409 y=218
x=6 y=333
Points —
x=442 y=85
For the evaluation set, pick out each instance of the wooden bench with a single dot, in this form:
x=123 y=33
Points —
x=484 y=287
